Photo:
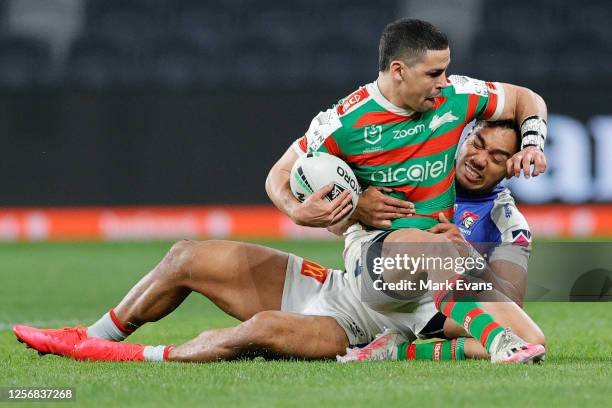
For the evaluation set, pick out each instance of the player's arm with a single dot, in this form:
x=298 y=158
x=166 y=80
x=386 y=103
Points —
x=507 y=268
x=315 y=211
x=529 y=110
x=509 y=277
x=509 y=261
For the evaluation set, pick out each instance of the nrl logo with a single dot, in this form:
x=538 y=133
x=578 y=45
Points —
x=372 y=134
x=438 y=121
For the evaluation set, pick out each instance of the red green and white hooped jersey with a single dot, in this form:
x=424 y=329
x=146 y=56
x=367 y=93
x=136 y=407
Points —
x=412 y=153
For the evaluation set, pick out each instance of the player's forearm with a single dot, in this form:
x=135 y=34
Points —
x=529 y=111
x=508 y=278
x=529 y=103
x=279 y=191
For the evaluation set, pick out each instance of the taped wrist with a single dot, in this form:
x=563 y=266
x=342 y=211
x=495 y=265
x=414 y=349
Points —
x=533 y=132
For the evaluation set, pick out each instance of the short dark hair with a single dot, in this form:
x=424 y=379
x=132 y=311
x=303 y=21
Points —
x=505 y=124
x=408 y=38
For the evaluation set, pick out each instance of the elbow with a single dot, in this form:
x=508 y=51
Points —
x=537 y=100
x=269 y=185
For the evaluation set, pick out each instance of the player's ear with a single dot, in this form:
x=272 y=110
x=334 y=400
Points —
x=396 y=69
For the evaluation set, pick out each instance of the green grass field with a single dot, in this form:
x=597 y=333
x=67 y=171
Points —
x=64 y=284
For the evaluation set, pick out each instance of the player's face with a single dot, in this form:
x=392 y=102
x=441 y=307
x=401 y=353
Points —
x=424 y=79
x=481 y=162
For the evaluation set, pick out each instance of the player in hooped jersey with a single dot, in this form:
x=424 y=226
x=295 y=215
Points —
x=289 y=306
x=250 y=286
x=401 y=132
x=488 y=218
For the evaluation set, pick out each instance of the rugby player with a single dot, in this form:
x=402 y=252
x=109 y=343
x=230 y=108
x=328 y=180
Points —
x=489 y=219
x=401 y=132
x=290 y=307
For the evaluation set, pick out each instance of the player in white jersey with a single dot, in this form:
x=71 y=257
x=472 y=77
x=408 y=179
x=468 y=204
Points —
x=290 y=307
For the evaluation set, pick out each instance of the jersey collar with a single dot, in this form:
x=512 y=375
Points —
x=375 y=93
x=465 y=195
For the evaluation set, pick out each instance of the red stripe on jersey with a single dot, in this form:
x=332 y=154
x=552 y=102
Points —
x=491 y=106
x=471 y=108
x=485 y=333
x=440 y=100
x=454 y=349
x=491 y=85
x=400 y=154
x=332 y=147
x=303 y=143
x=382 y=118
x=416 y=193
x=448 y=213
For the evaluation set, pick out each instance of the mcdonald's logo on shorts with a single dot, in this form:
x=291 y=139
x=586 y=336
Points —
x=314 y=270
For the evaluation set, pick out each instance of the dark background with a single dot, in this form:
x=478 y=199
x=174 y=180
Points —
x=185 y=102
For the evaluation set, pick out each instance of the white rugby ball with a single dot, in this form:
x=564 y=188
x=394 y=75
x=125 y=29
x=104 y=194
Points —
x=313 y=171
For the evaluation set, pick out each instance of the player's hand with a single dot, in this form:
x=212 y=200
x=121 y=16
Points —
x=378 y=210
x=317 y=211
x=451 y=231
x=523 y=161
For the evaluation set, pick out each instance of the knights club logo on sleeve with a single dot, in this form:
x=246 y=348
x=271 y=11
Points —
x=468 y=219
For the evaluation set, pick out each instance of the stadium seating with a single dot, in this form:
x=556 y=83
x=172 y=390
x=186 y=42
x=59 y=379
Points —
x=97 y=61
x=327 y=42
x=24 y=61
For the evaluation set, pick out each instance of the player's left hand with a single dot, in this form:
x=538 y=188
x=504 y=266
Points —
x=451 y=231
x=378 y=210
x=445 y=227
x=523 y=161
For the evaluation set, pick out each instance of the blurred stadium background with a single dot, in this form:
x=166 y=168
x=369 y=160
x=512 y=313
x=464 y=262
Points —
x=159 y=119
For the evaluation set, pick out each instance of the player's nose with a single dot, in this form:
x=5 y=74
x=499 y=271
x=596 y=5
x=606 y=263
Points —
x=479 y=161
x=441 y=82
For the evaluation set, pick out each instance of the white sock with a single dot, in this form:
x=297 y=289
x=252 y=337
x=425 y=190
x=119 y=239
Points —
x=105 y=328
x=154 y=353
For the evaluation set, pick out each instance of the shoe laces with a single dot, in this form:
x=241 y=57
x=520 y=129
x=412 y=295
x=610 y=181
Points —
x=510 y=342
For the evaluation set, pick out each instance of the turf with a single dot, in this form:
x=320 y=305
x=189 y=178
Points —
x=58 y=284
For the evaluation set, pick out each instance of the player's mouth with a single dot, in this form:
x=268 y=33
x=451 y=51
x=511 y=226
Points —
x=471 y=174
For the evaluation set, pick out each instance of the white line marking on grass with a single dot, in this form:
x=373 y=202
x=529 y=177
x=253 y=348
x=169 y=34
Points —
x=43 y=324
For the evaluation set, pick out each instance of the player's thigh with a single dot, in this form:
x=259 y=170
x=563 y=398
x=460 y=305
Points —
x=299 y=336
x=508 y=314
x=241 y=278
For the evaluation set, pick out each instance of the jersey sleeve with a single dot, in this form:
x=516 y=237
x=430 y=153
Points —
x=322 y=135
x=485 y=100
x=515 y=234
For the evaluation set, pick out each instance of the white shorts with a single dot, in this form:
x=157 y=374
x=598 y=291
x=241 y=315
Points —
x=313 y=290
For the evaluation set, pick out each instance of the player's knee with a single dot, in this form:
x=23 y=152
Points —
x=179 y=258
x=266 y=328
x=536 y=338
